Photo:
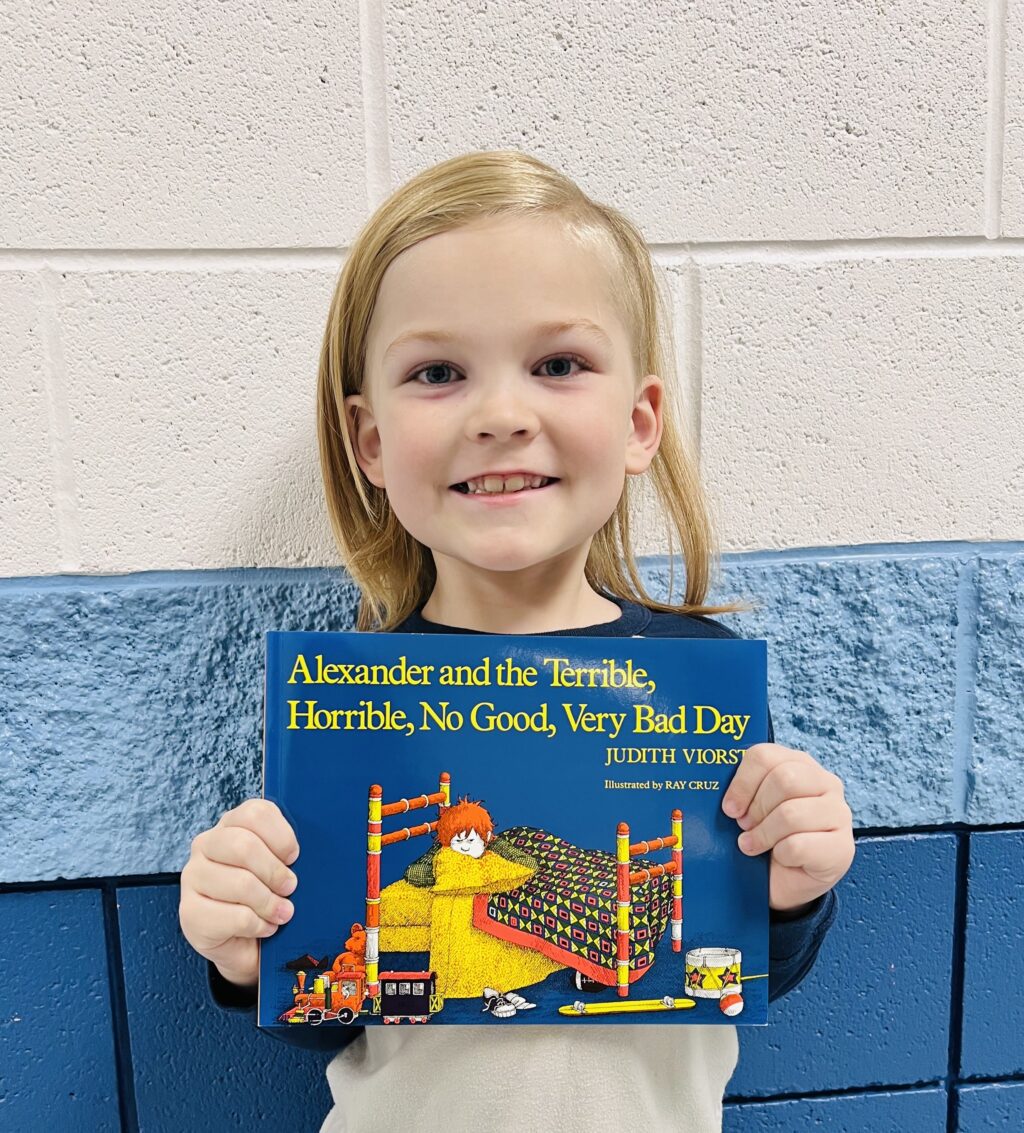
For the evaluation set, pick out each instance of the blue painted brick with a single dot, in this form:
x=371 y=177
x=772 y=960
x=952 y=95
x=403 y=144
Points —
x=996 y=785
x=993 y=1017
x=875 y=1008
x=999 y=1105
x=862 y=671
x=57 y=1067
x=908 y=1111
x=142 y=700
x=198 y=1067
x=159 y=680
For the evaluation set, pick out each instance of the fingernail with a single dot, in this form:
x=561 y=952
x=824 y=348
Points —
x=293 y=859
x=744 y=841
x=731 y=807
x=284 y=912
x=288 y=885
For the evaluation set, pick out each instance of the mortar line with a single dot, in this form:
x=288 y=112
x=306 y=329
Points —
x=124 y=1068
x=836 y=1092
x=995 y=119
x=964 y=690
x=373 y=73
x=990 y=1080
x=794 y=251
x=257 y=576
x=961 y=873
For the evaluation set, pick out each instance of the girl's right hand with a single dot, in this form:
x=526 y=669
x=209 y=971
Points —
x=234 y=887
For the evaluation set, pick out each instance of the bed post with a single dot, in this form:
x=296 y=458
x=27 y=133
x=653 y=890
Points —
x=373 y=889
x=445 y=787
x=622 y=933
x=677 y=881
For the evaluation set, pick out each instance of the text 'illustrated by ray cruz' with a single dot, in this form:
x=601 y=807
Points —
x=506 y=829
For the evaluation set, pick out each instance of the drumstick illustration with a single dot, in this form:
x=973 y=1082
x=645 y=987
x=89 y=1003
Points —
x=637 y=1006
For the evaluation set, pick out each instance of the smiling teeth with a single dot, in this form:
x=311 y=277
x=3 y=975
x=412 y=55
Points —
x=498 y=484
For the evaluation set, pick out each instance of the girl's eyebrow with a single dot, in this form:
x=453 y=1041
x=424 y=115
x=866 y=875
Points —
x=541 y=330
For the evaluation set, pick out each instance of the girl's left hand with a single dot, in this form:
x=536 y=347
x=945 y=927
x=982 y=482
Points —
x=786 y=802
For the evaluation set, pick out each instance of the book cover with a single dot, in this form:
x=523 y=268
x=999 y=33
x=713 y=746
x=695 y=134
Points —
x=512 y=829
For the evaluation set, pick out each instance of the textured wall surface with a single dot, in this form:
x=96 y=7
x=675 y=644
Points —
x=906 y=1111
x=879 y=998
x=157 y=681
x=57 y=1034
x=886 y=416
x=825 y=194
x=993 y=1043
x=996 y=1106
x=897 y=671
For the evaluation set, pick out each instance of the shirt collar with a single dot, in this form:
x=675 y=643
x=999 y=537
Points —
x=631 y=623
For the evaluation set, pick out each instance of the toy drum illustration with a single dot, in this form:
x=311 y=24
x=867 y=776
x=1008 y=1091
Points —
x=711 y=971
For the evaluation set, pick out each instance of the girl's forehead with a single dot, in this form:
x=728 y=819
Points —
x=481 y=269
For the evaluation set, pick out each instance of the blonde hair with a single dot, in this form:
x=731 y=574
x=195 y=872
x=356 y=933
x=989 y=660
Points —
x=394 y=572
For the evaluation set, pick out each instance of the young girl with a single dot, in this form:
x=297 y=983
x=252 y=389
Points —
x=493 y=383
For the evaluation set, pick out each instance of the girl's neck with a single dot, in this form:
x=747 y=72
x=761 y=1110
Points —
x=496 y=613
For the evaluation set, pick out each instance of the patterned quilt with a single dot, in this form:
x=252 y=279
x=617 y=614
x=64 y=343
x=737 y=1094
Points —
x=567 y=910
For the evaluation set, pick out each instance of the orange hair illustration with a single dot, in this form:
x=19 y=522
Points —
x=461 y=818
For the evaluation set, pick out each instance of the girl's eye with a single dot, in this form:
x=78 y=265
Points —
x=442 y=366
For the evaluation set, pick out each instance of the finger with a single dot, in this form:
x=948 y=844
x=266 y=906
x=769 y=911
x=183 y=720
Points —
x=757 y=761
x=790 y=779
x=264 y=818
x=239 y=846
x=208 y=924
x=239 y=886
x=821 y=854
x=795 y=816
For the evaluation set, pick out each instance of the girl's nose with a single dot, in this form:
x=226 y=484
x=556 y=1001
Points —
x=501 y=412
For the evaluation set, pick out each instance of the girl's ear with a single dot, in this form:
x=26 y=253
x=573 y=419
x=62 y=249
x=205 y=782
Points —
x=365 y=437
x=643 y=441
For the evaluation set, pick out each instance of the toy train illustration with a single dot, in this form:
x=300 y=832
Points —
x=339 y=994
x=407 y=995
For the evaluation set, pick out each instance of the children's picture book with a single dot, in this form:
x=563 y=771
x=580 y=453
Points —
x=512 y=829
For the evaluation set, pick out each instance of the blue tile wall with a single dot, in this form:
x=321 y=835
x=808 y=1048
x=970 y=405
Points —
x=905 y=1111
x=197 y=1067
x=57 y=1061
x=875 y=1010
x=999 y=1105
x=993 y=1017
x=131 y=707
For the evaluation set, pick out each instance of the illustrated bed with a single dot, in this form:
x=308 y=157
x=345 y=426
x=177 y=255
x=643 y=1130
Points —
x=511 y=918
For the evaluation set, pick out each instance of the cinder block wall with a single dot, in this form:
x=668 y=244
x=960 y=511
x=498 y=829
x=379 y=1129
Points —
x=836 y=197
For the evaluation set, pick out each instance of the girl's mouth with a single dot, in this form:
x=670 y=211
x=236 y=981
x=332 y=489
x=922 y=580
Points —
x=464 y=490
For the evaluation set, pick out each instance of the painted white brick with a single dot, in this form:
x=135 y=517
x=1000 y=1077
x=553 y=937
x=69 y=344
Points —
x=711 y=122
x=194 y=426
x=176 y=125
x=28 y=519
x=1013 y=144
x=682 y=399
x=864 y=401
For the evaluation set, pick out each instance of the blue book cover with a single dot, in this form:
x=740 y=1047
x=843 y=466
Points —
x=513 y=829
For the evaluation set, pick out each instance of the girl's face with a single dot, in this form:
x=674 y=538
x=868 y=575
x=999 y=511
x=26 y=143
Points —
x=500 y=396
